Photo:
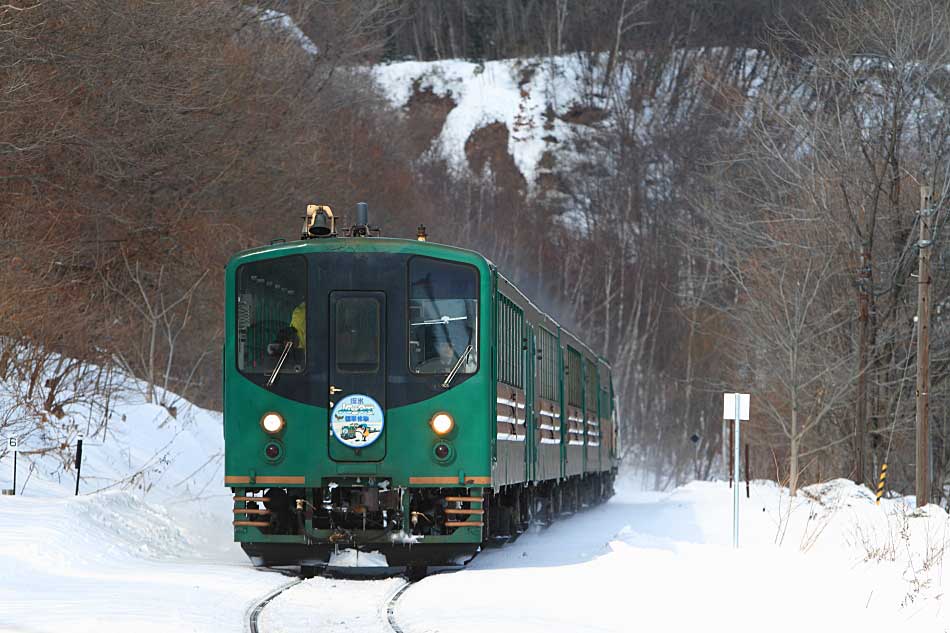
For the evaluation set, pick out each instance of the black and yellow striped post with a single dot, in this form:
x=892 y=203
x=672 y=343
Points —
x=880 y=484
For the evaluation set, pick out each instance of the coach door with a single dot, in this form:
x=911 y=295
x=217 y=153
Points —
x=357 y=392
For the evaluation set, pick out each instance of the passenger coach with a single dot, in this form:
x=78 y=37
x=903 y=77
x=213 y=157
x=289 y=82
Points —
x=400 y=396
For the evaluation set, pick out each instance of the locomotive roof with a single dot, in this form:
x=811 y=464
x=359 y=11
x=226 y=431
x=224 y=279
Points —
x=392 y=244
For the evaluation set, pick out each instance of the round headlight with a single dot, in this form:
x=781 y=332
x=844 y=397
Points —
x=272 y=423
x=442 y=423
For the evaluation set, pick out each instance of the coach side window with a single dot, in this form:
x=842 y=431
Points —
x=272 y=316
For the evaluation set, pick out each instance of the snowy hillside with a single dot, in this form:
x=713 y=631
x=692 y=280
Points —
x=515 y=93
x=550 y=107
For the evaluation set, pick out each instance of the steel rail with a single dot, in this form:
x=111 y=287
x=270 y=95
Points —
x=389 y=607
x=255 y=611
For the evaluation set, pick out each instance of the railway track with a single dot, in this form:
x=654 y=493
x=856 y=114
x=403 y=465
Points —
x=254 y=613
x=388 y=609
x=391 y=607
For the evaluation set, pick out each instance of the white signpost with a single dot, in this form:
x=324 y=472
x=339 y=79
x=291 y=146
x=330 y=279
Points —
x=735 y=407
x=14 y=445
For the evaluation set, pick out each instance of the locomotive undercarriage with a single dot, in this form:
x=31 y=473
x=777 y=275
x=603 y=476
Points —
x=306 y=525
x=356 y=508
x=411 y=526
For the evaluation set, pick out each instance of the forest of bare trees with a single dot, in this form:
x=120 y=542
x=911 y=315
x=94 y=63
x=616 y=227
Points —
x=750 y=193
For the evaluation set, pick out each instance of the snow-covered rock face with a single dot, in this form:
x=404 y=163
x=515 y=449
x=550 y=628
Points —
x=526 y=96
x=551 y=107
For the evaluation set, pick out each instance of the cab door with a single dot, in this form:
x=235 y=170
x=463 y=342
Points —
x=357 y=372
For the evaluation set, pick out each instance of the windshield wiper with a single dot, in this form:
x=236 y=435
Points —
x=280 y=363
x=441 y=320
x=458 y=365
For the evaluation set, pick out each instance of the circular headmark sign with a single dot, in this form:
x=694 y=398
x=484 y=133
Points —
x=357 y=421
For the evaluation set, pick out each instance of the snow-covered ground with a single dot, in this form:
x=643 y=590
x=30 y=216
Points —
x=147 y=546
x=664 y=562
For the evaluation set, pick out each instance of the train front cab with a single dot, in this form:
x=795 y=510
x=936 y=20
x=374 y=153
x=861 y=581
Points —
x=360 y=453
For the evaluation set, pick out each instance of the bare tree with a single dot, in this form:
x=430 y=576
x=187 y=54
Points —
x=164 y=311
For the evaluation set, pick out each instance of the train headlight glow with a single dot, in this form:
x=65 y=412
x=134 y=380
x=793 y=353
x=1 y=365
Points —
x=442 y=423
x=272 y=423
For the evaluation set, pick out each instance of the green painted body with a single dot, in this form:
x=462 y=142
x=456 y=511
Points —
x=404 y=456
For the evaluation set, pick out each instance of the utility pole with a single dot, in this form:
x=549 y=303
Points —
x=861 y=416
x=923 y=347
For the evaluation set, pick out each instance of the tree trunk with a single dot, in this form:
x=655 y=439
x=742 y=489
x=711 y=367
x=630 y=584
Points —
x=793 y=450
x=861 y=403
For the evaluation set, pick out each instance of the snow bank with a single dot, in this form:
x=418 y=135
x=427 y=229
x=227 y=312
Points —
x=146 y=546
x=654 y=561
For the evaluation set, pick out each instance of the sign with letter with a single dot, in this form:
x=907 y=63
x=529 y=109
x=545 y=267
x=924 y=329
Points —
x=729 y=406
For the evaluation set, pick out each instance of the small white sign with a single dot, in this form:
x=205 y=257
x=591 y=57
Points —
x=729 y=406
x=13 y=444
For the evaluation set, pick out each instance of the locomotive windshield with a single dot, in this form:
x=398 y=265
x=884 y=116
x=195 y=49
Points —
x=272 y=316
x=443 y=316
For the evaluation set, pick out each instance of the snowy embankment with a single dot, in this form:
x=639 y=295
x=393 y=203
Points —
x=828 y=561
x=148 y=545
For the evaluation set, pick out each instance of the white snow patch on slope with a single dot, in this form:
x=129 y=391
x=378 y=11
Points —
x=284 y=22
x=514 y=92
x=536 y=98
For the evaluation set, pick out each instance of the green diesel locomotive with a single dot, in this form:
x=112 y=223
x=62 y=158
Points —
x=403 y=397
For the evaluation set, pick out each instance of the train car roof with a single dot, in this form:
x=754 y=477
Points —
x=577 y=339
